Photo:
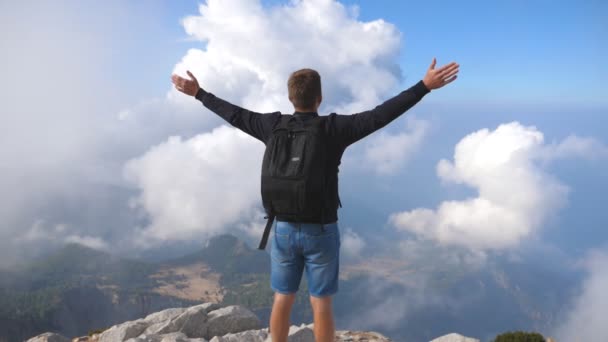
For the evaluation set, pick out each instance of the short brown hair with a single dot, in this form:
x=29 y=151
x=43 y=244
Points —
x=304 y=88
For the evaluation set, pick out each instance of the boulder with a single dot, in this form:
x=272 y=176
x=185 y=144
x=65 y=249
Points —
x=454 y=338
x=124 y=331
x=360 y=336
x=174 y=337
x=190 y=321
x=48 y=337
x=165 y=315
x=209 y=322
x=303 y=333
x=231 y=319
x=245 y=336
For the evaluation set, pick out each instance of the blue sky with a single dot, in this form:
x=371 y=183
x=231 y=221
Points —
x=515 y=52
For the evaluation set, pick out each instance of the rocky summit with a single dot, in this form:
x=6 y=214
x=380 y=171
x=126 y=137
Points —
x=209 y=322
x=454 y=338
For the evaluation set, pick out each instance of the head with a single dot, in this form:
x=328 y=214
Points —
x=304 y=88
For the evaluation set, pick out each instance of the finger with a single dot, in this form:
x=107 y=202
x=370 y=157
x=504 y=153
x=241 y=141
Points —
x=450 y=65
x=450 y=74
x=447 y=71
x=433 y=64
x=190 y=74
x=446 y=68
x=449 y=80
x=177 y=79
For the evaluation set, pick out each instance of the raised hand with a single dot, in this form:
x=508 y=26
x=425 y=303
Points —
x=437 y=78
x=186 y=86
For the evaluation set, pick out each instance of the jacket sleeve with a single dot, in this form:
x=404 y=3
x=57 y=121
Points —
x=351 y=128
x=257 y=125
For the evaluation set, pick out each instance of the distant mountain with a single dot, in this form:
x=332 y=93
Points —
x=75 y=263
x=227 y=254
x=77 y=289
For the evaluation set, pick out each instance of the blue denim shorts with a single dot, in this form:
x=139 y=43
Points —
x=298 y=246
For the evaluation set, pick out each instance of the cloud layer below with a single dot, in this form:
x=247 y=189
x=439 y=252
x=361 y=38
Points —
x=198 y=186
x=585 y=321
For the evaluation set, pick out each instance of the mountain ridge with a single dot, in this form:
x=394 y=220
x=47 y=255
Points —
x=55 y=296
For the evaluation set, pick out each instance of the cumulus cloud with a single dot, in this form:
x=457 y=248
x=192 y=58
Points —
x=515 y=194
x=585 y=318
x=351 y=243
x=251 y=50
x=196 y=187
x=249 y=66
x=386 y=153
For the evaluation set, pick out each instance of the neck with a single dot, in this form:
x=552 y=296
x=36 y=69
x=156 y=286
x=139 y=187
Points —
x=306 y=110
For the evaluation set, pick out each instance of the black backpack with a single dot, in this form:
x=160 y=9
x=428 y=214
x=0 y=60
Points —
x=294 y=171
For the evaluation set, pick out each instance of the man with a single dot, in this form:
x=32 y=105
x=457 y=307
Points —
x=313 y=244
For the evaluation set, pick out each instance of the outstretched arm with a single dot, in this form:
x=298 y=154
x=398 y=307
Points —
x=257 y=125
x=351 y=128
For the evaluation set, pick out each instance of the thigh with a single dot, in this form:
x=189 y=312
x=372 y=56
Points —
x=286 y=264
x=322 y=260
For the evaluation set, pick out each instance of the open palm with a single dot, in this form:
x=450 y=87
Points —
x=186 y=86
x=437 y=78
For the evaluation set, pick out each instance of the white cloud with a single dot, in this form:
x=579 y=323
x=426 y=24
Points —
x=58 y=234
x=89 y=241
x=351 y=243
x=253 y=226
x=515 y=195
x=585 y=320
x=575 y=146
x=197 y=187
x=386 y=153
x=251 y=50
x=63 y=68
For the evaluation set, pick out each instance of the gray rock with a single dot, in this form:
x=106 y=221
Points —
x=303 y=333
x=209 y=306
x=454 y=338
x=360 y=336
x=157 y=328
x=245 y=336
x=231 y=319
x=165 y=315
x=174 y=337
x=48 y=337
x=124 y=331
x=191 y=322
x=209 y=321
x=145 y=338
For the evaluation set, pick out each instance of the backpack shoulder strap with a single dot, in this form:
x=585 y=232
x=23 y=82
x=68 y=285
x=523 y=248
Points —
x=264 y=241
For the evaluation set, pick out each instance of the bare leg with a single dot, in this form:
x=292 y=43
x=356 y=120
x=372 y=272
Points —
x=324 y=327
x=279 y=318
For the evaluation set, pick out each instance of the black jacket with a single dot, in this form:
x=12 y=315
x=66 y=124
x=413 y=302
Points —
x=344 y=130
